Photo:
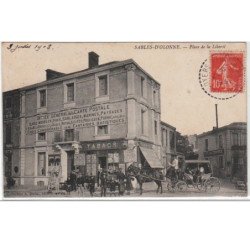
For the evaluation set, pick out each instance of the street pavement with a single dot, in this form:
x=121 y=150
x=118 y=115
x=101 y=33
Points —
x=149 y=191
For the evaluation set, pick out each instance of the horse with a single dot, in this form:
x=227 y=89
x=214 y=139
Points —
x=146 y=175
x=111 y=181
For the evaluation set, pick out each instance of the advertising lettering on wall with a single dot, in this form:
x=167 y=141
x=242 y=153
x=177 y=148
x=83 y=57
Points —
x=95 y=115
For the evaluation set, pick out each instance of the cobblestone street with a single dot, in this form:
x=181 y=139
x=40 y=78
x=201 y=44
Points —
x=149 y=190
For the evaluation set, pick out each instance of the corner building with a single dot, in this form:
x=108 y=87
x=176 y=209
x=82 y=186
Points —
x=106 y=116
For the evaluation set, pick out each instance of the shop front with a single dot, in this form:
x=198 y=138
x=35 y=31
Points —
x=98 y=155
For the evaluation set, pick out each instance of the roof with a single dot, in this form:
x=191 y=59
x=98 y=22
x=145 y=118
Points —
x=167 y=125
x=88 y=71
x=234 y=125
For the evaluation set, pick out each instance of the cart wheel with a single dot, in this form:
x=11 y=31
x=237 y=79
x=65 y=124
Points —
x=212 y=185
x=181 y=186
x=201 y=186
x=171 y=187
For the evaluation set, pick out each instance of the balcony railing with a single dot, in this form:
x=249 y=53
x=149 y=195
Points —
x=59 y=137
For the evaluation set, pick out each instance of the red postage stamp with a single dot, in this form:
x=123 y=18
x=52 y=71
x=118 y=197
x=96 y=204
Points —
x=226 y=72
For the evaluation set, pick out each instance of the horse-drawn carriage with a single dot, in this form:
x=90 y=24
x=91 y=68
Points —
x=195 y=173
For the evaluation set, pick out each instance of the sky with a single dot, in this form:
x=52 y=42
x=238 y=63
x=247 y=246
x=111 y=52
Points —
x=175 y=66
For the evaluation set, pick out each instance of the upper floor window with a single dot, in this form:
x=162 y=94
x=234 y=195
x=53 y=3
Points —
x=220 y=141
x=142 y=122
x=70 y=92
x=206 y=144
x=8 y=102
x=156 y=129
x=102 y=130
x=172 y=139
x=41 y=136
x=42 y=98
x=244 y=139
x=142 y=86
x=69 y=135
x=154 y=97
x=235 y=138
x=103 y=85
x=166 y=137
x=162 y=136
x=8 y=133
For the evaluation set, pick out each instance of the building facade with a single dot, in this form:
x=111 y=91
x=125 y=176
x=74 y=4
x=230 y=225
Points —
x=168 y=142
x=106 y=116
x=226 y=148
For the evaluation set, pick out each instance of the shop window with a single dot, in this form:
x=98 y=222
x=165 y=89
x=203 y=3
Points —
x=41 y=164
x=8 y=103
x=103 y=85
x=235 y=139
x=69 y=135
x=41 y=136
x=220 y=141
x=102 y=130
x=206 y=144
x=156 y=127
x=42 y=98
x=113 y=161
x=8 y=133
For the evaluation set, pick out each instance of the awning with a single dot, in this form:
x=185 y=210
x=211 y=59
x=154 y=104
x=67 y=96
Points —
x=151 y=157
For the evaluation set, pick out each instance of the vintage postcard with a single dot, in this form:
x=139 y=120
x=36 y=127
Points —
x=124 y=120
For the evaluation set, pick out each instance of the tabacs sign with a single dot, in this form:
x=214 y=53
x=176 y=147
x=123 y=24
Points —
x=88 y=146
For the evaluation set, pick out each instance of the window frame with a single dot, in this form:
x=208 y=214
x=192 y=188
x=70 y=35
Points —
x=220 y=140
x=97 y=86
x=105 y=125
x=45 y=164
x=155 y=127
x=66 y=103
x=8 y=139
x=39 y=107
x=233 y=139
x=73 y=134
x=68 y=85
x=45 y=136
x=206 y=144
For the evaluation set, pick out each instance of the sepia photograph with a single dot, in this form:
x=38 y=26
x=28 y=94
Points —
x=124 y=120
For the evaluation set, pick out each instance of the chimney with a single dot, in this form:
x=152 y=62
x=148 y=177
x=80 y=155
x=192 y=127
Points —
x=216 y=114
x=93 y=59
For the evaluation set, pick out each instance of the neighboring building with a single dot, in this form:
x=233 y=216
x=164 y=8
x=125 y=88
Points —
x=226 y=148
x=193 y=141
x=106 y=116
x=168 y=142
